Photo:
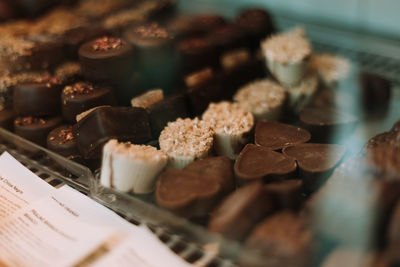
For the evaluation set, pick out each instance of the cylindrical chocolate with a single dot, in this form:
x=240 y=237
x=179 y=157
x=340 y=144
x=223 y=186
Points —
x=62 y=141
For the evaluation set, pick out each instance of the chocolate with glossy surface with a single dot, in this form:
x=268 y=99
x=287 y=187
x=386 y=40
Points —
x=256 y=162
x=36 y=129
x=122 y=123
x=241 y=210
x=62 y=141
x=276 y=135
x=82 y=96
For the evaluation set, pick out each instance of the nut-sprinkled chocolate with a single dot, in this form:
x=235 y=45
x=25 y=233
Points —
x=99 y=126
x=316 y=161
x=82 y=96
x=35 y=129
x=257 y=162
x=62 y=141
x=239 y=211
x=39 y=98
x=276 y=135
x=106 y=59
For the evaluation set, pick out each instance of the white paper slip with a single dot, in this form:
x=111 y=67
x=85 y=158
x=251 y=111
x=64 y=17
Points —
x=48 y=233
x=141 y=249
x=18 y=186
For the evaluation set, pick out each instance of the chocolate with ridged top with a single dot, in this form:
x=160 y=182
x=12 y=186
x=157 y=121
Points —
x=106 y=59
x=36 y=129
x=82 y=96
x=121 y=123
x=62 y=141
x=39 y=98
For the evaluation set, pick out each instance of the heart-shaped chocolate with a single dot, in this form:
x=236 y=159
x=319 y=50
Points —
x=195 y=190
x=275 y=135
x=257 y=162
x=315 y=161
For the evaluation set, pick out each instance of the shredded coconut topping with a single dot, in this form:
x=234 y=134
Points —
x=136 y=152
x=187 y=137
x=330 y=67
x=261 y=96
x=228 y=118
x=287 y=47
x=147 y=99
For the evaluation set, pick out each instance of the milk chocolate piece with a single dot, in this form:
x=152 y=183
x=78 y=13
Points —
x=167 y=110
x=122 y=123
x=287 y=194
x=62 y=141
x=241 y=210
x=327 y=124
x=219 y=167
x=281 y=240
x=187 y=193
x=81 y=96
x=7 y=116
x=203 y=87
x=257 y=24
x=36 y=129
x=106 y=59
x=257 y=162
x=276 y=135
x=39 y=98
x=375 y=94
x=316 y=162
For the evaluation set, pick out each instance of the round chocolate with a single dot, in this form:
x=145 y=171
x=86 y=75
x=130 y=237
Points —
x=40 y=98
x=256 y=162
x=83 y=96
x=106 y=59
x=62 y=141
x=35 y=129
x=7 y=116
x=275 y=135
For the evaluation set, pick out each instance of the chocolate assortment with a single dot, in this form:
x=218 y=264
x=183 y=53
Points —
x=252 y=136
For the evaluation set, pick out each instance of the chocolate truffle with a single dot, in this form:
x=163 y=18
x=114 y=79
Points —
x=257 y=24
x=36 y=129
x=106 y=59
x=241 y=210
x=316 y=161
x=39 y=98
x=7 y=116
x=276 y=135
x=81 y=96
x=122 y=123
x=257 y=162
x=62 y=141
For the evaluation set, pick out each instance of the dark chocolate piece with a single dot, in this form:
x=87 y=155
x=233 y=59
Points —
x=256 y=162
x=106 y=59
x=219 y=167
x=227 y=37
x=83 y=96
x=316 y=162
x=375 y=94
x=327 y=124
x=7 y=116
x=203 y=87
x=281 y=240
x=287 y=194
x=122 y=123
x=182 y=27
x=257 y=24
x=196 y=53
x=36 y=129
x=275 y=135
x=186 y=193
x=241 y=210
x=204 y=23
x=167 y=110
x=38 y=99
x=62 y=141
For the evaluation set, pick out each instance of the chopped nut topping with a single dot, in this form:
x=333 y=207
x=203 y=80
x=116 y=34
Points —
x=152 y=31
x=66 y=135
x=79 y=88
x=29 y=121
x=107 y=43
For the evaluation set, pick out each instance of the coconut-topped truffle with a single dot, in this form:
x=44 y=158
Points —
x=286 y=55
x=301 y=94
x=264 y=98
x=185 y=140
x=331 y=68
x=131 y=168
x=232 y=125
